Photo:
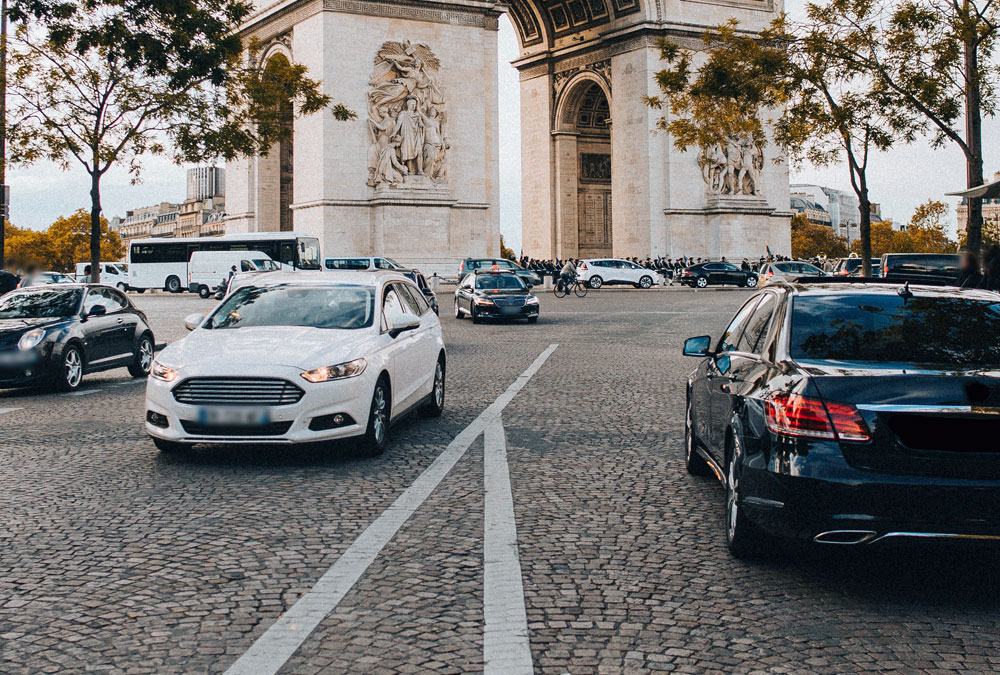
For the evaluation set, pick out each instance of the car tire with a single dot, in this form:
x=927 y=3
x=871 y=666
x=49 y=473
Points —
x=743 y=539
x=701 y=282
x=122 y=287
x=751 y=282
x=139 y=290
x=172 y=285
x=475 y=314
x=373 y=442
x=595 y=282
x=169 y=447
x=435 y=405
x=143 y=359
x=645 y=282
x=693 y=462
x=70 y=375
x=532 y=319
x=458 y=312
x=204 y=292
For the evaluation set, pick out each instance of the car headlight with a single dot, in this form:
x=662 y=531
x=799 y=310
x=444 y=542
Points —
x=339 y=372
x=532 y=300
x=31 y=339
x=162 y=372
x=483 y=301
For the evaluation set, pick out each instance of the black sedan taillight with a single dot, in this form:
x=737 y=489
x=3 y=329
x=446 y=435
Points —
x=795 y=415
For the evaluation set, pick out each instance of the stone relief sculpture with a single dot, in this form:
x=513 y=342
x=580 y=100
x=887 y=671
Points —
x=406 y=118
x=733 y=169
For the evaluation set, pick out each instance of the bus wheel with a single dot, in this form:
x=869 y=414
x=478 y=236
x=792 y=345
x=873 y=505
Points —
x=204 y=291
x=173 y=285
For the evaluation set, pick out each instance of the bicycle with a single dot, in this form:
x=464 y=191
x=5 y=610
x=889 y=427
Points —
x=575 y=286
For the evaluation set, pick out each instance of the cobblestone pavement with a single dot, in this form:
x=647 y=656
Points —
x=114 y=558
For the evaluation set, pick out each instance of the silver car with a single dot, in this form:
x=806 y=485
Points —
x=789 y=269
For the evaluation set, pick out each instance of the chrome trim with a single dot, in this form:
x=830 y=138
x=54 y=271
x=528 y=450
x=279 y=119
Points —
x=905 y=408
x=760 y=501
x=862 y=536
x=936 y=535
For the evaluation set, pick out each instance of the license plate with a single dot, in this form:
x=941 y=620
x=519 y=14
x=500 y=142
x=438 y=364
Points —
x=233 y=417
x=18 y=358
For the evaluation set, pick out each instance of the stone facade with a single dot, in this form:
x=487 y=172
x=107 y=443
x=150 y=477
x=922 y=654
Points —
x=424 y=191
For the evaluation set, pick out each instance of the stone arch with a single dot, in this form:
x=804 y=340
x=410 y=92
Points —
x=571 y=93
x=275 y=171
x=543 y=22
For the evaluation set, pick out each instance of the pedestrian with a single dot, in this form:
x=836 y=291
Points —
x=232 y=272
x=969 y=275
x=745 y=265
x=9 y=279
x=86 y=275
x=991 y=269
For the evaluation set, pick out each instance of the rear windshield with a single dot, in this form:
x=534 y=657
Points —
x=950 y=331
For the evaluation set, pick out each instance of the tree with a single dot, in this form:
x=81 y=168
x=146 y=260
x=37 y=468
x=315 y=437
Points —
x=506 y=252
x=65 y=243
x=934 y=57
x=824 y=106
x=810 y=240
x=931 y=214
x=107 y=83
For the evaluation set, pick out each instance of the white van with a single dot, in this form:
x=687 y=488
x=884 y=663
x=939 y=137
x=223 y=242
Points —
x=112 y=273
x=207 y=269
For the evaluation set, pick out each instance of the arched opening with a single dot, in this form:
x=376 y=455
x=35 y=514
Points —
x=275 y=171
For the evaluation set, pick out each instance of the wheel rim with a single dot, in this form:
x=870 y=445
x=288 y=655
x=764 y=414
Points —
x=378 y=414
x=439 y=385
x=145 y=355
x=732 y=493
x=596 y=282
x=751 y=282
x=702 y=283
x=688 y=440
x=645 y=282
x=73 y=367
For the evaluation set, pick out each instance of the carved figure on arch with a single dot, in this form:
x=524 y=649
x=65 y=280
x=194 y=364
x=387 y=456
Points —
x=734 y=169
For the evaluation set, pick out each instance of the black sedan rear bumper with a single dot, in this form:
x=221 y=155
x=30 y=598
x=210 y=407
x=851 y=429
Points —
x=871 y=509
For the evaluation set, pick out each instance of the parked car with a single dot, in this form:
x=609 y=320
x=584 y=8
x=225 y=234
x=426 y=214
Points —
x=788 y=269
x=421 y=282
x=112 y=273
x=939 y=269
x=597 y=272
x=529 y=277
x=55 y=334
x=44 y=279
x=852 y=267
x=850 y=414
x=208 y=269
x=361 y=263
x=299 y=358
x=486 y=294
x=717 y=273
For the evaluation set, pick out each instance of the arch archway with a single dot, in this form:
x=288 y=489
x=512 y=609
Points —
x=275 y=171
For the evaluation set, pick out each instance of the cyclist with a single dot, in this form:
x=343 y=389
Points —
x=566 y=275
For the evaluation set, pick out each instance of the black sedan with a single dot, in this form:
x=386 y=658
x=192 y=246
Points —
x=717 y=273
x=851 y=414
x=54 y=335
x=495 y=295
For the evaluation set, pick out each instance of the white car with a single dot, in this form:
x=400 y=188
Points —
x=788 y=269
x=299 y=358
x=360 y=262
x=597 y=272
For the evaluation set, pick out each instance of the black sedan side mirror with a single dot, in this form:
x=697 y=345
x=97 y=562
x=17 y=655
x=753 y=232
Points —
x=97 y=310
x=698 y=346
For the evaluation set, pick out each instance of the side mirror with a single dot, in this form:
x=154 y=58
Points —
x=192 y=321
x=698 y=346
x=97 y=310
x=404 y=323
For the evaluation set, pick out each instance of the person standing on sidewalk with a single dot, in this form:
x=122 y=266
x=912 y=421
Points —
x=9 y=278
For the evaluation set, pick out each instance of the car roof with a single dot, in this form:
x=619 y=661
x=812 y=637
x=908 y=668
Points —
x=884 y=288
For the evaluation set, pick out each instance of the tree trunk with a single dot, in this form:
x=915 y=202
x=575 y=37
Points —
x=95 y=228
x=865 y=229
x=974 y=141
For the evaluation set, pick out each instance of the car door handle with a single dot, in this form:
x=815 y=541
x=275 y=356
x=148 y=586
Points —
x=120 y=320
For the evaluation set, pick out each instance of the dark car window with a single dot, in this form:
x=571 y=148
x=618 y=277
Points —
x=713 y=267
x=753 y=337
x=730 y=338
x=951 y=331
x=503 y=282
x=40 y=304
x=116 y=299
x=729 y=267
x=346 y=263
x=99 y=297
x=412 y=299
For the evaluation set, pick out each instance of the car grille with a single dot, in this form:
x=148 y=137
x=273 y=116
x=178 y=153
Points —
x=509 y=302
x=237 y=391
x=272 y=429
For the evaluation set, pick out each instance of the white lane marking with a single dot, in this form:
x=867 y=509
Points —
x=7 y=410
x=505 y=638
x=276 y=645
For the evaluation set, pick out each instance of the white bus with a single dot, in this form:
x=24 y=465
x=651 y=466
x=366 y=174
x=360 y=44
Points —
x=162 y=263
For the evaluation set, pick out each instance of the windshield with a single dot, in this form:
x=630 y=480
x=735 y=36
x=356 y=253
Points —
x=320 y=307
x=499 y=282
x=952 y=331
x=37 y=305
x=309 y=254
x=264 y=264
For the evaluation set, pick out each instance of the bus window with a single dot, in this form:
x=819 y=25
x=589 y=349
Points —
x=287 y=254
x=309 y=254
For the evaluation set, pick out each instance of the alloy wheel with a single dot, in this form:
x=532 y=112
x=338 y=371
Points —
x=72 y=368
x=439 y=385
x=145 y=355
x=378 y=413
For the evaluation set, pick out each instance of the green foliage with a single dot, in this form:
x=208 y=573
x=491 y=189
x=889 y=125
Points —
x=506 y=252
x=65 y=243
x=810 y=240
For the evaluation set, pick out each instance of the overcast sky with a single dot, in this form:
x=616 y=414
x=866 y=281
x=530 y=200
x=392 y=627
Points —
x=900 y=179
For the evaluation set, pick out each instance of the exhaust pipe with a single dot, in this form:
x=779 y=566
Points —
x=844 y=537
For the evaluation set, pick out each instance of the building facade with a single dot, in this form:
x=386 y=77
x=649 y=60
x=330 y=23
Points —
x=416 y=175
x=201 y=214
x=842 y=207
x=991 y=212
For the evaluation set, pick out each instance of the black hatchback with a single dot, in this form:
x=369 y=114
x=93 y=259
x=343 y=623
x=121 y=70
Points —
x=495 y=295
x=717 y=273
x=851 y=414
x=54 y=335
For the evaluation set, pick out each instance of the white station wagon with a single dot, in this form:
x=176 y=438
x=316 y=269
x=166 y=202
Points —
x=298 y=358
x=597 y=272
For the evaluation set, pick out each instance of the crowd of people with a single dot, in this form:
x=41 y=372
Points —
x=972 y=274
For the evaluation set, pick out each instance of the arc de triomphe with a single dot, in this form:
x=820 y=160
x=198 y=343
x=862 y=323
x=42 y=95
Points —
x=416 y=175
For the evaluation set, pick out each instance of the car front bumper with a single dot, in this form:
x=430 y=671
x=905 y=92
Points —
x=20 y=368
x=287 y=424
x=506 y=312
